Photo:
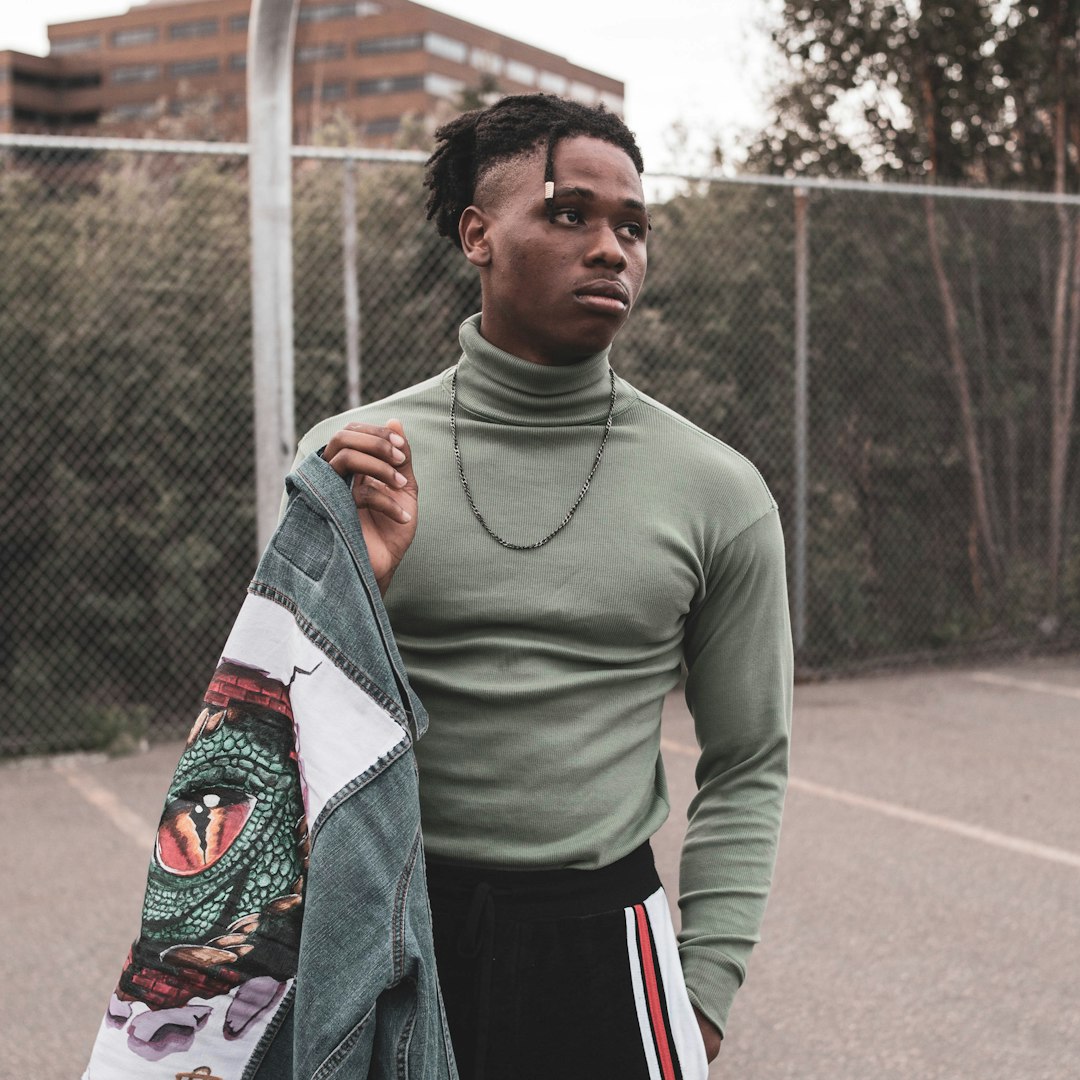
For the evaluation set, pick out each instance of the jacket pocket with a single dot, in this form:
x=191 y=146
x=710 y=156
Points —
x=352 y=1056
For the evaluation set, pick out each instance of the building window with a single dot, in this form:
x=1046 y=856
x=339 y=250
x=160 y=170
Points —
x=402 y=84
x=552 y=83
x=237 y=24
x=446 y=47
x=486 y=61
x=133 y=73
x=522 y=73
x=385 y=125
x=75 y=45
x=238 y=61
x=442 y=86
x=612 y=102
x=47 y=119
x=196 y=28
x=51 y=82
x=134 y=110
x=397 y=43
x=79 y=82
x=182 y=69
x=136 y=35
x=584 y=93
x=331 y=91
x=310 y=54
x=357 y=9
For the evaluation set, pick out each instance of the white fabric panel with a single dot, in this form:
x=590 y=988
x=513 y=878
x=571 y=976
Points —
x=114 y=1059
x=684 y=1025
x=340 y=730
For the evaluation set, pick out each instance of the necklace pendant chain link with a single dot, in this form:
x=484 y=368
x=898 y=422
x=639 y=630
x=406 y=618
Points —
x=577 y=502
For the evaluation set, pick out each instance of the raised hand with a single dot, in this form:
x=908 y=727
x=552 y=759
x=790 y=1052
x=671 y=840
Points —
x=379 y=461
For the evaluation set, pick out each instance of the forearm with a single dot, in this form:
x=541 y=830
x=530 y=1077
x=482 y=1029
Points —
x=739 y=664
x=725 y=875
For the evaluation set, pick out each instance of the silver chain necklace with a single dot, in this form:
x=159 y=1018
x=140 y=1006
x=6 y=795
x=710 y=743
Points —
x=577 y=502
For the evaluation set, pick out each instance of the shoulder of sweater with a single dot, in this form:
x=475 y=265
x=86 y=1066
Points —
x=699 y=449
x=374 y=412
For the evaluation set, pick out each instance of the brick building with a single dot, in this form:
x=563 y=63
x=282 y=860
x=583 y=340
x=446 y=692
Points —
x=375 y=62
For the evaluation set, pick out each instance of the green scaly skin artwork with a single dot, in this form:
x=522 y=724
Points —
x=224 y=891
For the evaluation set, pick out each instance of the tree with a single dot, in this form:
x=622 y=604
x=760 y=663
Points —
x=955 y=91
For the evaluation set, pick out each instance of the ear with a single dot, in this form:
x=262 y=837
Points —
x=473 y=232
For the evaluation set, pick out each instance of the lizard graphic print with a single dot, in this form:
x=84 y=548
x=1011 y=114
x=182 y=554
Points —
x=218 y=913
x=282 y=730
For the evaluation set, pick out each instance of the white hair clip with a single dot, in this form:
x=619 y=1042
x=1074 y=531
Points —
x=549 y=189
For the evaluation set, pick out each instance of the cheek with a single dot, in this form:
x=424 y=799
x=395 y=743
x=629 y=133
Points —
x=637 y=269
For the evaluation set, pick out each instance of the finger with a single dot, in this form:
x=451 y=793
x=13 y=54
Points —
x=381 y=502
x=349 y=462
x=394 y=436
x=405 y=466
x=368 y=442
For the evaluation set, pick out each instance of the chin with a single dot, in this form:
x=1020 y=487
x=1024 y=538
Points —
x=593 y=339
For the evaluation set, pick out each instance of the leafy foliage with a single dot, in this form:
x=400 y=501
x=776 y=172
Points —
x=974 y=92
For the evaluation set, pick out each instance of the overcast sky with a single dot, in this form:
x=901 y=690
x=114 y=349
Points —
x=703 y=63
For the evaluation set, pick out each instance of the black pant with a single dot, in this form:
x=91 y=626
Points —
x=535 y=969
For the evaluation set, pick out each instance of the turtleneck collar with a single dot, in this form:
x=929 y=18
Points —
x=495 y=385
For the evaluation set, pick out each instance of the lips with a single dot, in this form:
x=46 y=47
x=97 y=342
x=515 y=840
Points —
x=604 y=295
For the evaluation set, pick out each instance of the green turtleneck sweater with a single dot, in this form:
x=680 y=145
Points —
x=544 y=672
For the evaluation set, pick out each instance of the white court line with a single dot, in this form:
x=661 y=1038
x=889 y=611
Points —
x=1026 y=684
x=128 y=822
x=917 y=817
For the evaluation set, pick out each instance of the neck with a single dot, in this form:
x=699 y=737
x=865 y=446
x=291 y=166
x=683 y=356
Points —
x=489 y=330
x=496 y=385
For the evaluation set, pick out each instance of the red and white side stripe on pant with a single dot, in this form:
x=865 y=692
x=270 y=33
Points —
x=669 y=1029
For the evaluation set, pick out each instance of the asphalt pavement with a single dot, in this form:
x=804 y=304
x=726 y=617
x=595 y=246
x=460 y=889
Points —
x=924 y=921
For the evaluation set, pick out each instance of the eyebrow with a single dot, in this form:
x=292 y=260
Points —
x=588 y=194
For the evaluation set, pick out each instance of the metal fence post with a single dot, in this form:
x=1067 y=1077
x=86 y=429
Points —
x=801 y=411
x=269 y=103
x=351 y=287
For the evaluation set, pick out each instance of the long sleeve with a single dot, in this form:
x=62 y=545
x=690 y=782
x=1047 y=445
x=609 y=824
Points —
x=739 y=689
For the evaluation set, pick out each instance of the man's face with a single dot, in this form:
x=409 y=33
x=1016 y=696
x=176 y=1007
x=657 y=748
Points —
x=556 y=291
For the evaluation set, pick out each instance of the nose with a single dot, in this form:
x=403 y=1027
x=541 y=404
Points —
x=605 y=249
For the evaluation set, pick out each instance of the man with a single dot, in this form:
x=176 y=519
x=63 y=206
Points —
x=576 y=544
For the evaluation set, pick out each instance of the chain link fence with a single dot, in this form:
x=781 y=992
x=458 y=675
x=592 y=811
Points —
x=940 y=338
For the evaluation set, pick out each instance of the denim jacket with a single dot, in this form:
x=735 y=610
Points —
x=285 y=929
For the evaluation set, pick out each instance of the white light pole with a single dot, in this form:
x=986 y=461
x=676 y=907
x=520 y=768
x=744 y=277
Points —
x=271 y=32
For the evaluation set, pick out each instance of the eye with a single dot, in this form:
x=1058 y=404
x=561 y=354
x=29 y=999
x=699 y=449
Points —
x=633 y=229
x=199 y=826
x=569 y=215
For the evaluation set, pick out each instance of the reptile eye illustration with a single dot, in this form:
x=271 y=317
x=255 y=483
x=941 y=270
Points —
x=198 y=827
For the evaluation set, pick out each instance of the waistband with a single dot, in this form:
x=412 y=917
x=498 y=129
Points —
x=547 y=894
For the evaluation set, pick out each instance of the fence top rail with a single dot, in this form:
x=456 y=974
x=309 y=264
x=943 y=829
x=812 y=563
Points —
x=220 y=149
x=873 y=187
x=418 y=157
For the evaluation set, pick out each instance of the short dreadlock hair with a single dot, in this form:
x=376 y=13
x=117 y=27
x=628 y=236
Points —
x=468 y=146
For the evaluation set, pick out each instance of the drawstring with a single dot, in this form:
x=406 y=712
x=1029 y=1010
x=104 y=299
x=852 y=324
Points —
x=477 y=939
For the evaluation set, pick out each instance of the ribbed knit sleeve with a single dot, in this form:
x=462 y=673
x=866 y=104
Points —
x=739 y=687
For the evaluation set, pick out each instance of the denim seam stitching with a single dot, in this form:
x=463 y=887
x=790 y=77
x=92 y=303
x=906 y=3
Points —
x=331 y=1062
x=269 y=1034
x=361 y=560
x=312 y=632
x=398 y=936
x=286 y=552
x=405 y=1039
x=374 y=770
